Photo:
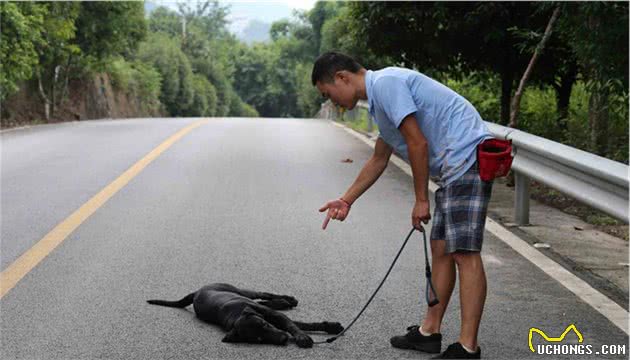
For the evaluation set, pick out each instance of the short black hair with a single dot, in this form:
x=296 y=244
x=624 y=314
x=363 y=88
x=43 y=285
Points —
x=327 y=65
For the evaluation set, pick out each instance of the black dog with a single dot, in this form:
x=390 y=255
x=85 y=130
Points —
x=249 y=321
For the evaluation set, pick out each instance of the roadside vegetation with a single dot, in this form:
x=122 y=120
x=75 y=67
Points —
x=186 y=63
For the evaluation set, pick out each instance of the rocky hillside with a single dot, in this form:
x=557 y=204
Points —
x=87 y=99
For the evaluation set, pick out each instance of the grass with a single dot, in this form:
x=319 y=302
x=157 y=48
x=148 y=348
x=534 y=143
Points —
x=359 y=122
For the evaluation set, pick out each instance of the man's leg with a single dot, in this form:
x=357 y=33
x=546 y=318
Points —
x=443 y=277
x=464 y=208
x=472 y=295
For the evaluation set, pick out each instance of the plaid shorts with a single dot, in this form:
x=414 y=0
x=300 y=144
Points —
x=460 y=212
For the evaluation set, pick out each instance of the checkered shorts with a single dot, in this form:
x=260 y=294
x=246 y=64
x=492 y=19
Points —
x=460 y=212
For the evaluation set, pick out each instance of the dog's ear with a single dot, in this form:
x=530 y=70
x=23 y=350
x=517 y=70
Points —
x=231 y=337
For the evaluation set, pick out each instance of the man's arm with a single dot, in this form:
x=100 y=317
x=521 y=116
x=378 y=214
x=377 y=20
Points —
x=371 y=171
x=418 y=149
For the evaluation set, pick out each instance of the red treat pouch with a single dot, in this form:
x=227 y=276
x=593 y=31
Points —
x=494 y=157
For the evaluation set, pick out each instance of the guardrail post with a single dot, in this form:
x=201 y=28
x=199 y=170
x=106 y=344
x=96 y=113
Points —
x=521 y=199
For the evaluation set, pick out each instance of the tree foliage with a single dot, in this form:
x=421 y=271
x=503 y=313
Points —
x=22 y=27
x=165 y=55
x=106 y=29
x=188 y=63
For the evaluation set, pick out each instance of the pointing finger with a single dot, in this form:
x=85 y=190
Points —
x=326 y=222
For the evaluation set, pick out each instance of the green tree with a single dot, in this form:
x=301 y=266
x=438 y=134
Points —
x=240 y=109
x=21 y=26
x=266 y=73
x=280 y=28
x=252 y=68
x=597 y=32
x=56 y=52
x=203 y=37
x=308 y=98
x=163 y=20
x=165 y=55
x=443 y=37
x=204 y=99
x=321 y=12
x=209 y=16
x=107 y=28
x=147 y=85
x=217 y=78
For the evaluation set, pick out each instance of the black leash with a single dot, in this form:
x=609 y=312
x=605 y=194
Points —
x=429 y=287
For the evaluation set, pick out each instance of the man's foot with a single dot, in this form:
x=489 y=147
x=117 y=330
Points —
x=413 y=339
x=457 y=351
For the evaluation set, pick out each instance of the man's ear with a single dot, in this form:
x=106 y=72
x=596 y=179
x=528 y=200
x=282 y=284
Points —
x=342 y=75
x=231 y=337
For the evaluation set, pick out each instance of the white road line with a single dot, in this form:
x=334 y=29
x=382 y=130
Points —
x=598 y=301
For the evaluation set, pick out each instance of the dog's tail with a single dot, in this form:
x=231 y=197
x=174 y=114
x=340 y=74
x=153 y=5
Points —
x=178 y=304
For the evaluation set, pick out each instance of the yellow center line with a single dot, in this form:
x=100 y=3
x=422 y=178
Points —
x=25 y=263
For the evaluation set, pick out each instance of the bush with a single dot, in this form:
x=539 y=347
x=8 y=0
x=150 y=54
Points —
x=308 y=98
x=120 y=73
x=137 y=80
x=538 y=114
x=204 y=99
x=147 y=84
x=221 y=84
x=481 y=90
x=165 y=55
x=618 y=129
x=249 y=111
x=578 y=133
x=238 y=108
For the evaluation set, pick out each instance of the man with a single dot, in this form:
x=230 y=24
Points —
x=437 y=131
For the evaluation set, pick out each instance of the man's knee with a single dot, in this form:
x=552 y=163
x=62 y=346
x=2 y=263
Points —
x=463 y=258
x=438 y=248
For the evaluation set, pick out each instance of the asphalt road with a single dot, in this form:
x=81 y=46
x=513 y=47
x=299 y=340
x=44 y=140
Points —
x=236 y=201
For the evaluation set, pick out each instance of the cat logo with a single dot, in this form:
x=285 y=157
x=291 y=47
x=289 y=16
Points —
x=551 y=339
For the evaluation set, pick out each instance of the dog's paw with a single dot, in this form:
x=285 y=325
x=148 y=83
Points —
x=290 y=299
x=304 y=341
x=333 y=327
x=282 y=340
x=277 y=304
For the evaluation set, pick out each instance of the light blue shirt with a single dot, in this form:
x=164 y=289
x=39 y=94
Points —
x=451 y=125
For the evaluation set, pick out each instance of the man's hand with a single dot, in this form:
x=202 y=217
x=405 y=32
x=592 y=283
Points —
x=420 y=213
x=337 y=209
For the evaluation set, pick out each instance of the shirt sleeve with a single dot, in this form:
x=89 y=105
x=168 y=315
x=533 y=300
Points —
x=395 y=98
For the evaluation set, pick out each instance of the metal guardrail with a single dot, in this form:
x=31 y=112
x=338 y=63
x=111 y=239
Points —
x=594 y=180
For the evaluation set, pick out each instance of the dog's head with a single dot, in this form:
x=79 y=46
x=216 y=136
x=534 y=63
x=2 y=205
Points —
x=252 y=328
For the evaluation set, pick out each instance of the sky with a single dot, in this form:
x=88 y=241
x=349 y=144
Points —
x=292 y=4
x=242 y=11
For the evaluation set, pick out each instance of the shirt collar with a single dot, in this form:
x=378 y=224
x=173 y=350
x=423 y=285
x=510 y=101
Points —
x=369 y=79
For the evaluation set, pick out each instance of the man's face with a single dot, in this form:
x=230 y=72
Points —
x=340 y=92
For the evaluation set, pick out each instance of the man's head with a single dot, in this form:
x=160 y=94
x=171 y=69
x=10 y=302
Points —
x=339 y=78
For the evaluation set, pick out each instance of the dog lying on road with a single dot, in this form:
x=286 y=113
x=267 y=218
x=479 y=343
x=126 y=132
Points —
x=249 y=321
